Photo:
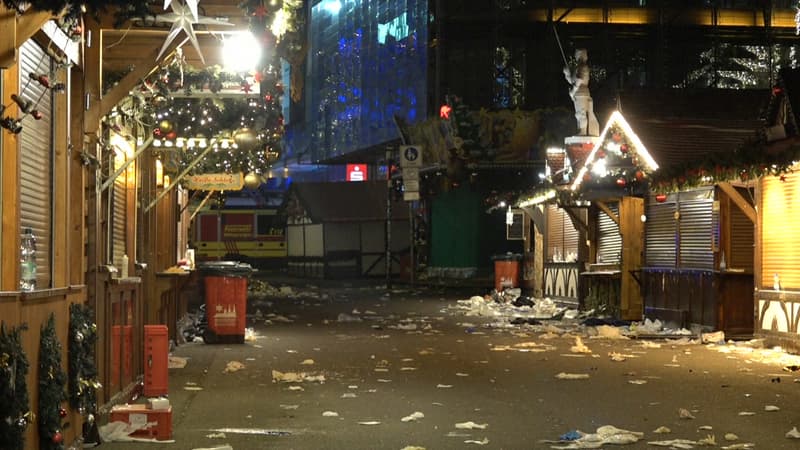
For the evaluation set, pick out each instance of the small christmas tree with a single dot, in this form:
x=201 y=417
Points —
x=52 y=383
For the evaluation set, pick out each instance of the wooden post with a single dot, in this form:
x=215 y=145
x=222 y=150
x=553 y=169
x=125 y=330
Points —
x=631 y=228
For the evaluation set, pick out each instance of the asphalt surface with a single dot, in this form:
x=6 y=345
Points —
x=453 y=369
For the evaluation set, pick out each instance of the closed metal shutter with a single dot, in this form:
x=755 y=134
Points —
x=695 y=228
x=780 y=233
x=742 y=241
x=36 y=158
x=562 y=236
x=609 y=241
x=660 y=234
x=119 y=207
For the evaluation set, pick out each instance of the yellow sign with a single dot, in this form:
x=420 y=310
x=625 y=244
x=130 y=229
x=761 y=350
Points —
x=215 y=182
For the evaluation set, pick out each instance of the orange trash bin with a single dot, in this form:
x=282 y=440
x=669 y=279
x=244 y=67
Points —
x=506 y=271
x=225 y=286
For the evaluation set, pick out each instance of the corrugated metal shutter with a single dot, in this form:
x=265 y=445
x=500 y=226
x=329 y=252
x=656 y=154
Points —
x=36 y=148
x=119 y=208
x=660 y=234
x=695 y=228
x=780 y=209
x=742 y=241
x=562 y=236
x=609 y=241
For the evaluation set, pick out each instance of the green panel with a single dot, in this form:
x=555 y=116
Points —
x=455 y=225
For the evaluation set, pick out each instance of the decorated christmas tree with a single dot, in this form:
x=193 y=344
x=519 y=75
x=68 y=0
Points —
x=15 y=412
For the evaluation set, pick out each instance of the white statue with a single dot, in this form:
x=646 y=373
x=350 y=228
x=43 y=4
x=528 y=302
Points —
x=579 y=91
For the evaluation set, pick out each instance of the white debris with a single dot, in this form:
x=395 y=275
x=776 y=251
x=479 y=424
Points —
x=483 y=441
x=471 y=426
x=330 y=414
x=369 y=422
x=793 y=433
x=295 y=377
x=444 y=386
x=413 y=417
x=572 y=376
x=662 y=430
x=731 y=437
x=609 y=332
x=771 y=408
x=579 y=346
x=712 y=338
x=684 y=413
x=747 y=413
x=233 y=366
x=344 y=317
x=307 y=362
x=607 y=434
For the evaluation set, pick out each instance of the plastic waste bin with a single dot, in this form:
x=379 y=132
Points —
x=225 y=286
x=506 y=271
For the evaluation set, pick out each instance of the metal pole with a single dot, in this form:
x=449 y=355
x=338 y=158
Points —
x=210 y=193
x=180 y=177
x=388 y=243
x=412 y=263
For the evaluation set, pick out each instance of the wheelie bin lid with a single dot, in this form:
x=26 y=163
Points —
x=225 y=268
x=507 y=257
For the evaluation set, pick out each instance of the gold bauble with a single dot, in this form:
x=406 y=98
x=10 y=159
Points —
x=252 y=180
x=165 y=126
x=245 y=138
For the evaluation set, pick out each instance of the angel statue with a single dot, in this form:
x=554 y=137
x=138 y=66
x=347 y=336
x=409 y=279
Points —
x=579 y=92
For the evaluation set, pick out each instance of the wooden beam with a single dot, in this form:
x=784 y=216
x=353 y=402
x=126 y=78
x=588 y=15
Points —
x=577 y=220
x=603 y=207
x=30 y=22
x=739 y=200
x=141 y=68
x=8 y=45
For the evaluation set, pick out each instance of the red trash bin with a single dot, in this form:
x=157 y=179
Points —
x=225 y=286
x=506 y=271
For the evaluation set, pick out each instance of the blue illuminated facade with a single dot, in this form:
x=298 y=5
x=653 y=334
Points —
x=367 y=62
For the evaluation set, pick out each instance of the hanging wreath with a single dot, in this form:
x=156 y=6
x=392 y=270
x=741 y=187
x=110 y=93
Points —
x=52 y=382
x=15 y=411
x=83 y=382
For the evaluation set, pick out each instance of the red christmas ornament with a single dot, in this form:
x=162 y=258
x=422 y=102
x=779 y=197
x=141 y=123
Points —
x=62 y=412
x=258 y=76
x=58 y=437
x=37 y=114
x=157 y=133
x=621 y=182
x=661 y=198
x=639 y=175
x=268 y=98
x=261 y=11
x=777 y=90
x=172 y=135
x=623 y=148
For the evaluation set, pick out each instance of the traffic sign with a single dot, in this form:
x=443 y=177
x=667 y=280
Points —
x=410 y=156
x=411 y=185
x=410 y=196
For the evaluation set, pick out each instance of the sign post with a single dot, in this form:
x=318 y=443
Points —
x=410 y=162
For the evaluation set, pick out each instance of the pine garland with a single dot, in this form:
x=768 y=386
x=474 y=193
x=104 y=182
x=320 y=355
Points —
x=52 y=381
x=83 y=382
x=14 y=403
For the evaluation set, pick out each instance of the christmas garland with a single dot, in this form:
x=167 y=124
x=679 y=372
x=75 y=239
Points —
x=15 y=411
x=83 y=382
x=52 y=381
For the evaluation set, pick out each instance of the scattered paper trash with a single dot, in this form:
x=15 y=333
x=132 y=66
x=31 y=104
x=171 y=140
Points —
x=579 y=346
x=606 y=434
x=233 y=366
x=221 y=447
x=177 y=362
x=712 y=338
x=216 y=436
x=572 y=376
x=747 y=413
x=731 y=437
x=771 y=408
x=412 y=447
x=369 y=422
x=483 y=441
x=330 y=414
x=684 y=413
x=662 y=430
x=307 y=362
x=793 y=433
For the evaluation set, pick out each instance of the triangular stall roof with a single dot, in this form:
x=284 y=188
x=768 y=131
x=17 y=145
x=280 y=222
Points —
x=363 y=201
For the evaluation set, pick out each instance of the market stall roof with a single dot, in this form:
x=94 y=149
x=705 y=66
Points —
x=678 y=125
x=346 y=201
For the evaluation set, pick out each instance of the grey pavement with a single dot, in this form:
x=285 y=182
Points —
x=455 y=369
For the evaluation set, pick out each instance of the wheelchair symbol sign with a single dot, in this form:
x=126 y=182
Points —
x=411 y=156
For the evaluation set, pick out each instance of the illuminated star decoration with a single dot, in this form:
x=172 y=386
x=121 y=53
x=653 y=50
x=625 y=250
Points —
x=192 y=4
x=182 y=19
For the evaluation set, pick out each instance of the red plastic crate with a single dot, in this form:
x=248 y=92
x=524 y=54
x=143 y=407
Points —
x=156 y=360
x=157 y=422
